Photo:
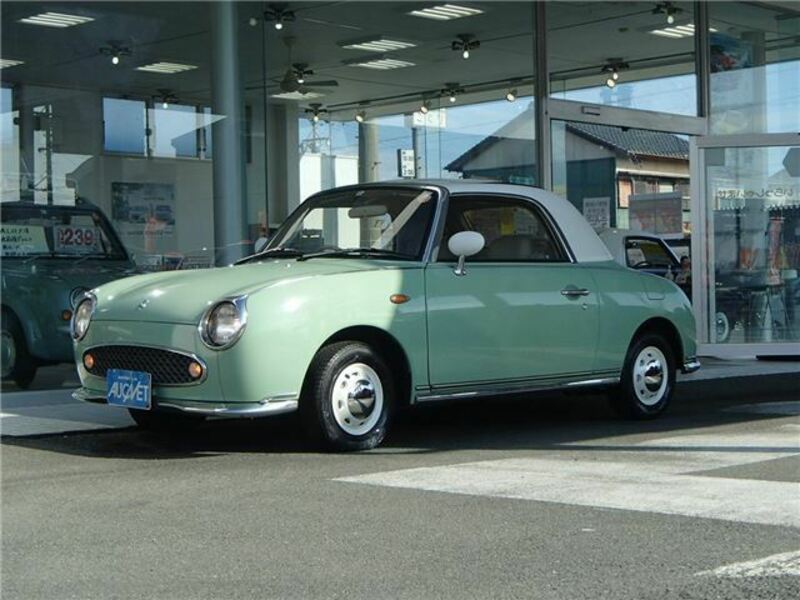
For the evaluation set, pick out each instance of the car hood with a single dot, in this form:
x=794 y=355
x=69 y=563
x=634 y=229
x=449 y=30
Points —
x=183 y=296
x=60 y=274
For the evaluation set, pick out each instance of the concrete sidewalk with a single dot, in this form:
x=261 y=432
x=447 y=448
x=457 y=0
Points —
x=54 y=411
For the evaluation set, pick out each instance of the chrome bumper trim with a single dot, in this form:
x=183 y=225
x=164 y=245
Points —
x=690 y=366
x=268 y=406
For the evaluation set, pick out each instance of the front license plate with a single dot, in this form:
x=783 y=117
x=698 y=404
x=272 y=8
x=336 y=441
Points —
x=130 y=389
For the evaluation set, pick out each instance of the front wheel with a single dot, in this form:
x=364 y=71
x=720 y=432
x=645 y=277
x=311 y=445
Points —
x=648 y=378
x=17 y=363
x=348 y=397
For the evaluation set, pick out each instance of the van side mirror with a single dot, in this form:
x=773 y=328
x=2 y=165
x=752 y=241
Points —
x=464 y=244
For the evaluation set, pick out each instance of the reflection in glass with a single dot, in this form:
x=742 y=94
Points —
x=753 y=197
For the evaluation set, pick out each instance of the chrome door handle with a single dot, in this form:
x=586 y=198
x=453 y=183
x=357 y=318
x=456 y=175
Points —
x=574 y=292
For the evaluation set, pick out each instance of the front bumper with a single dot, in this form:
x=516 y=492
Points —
x=267 y=407
x=690 y=366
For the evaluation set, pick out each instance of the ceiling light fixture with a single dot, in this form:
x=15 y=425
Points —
x=6 y=63
x=377 y=44
x=53 y=19
x=511 y=95
x=667 y=8
x=446 y=12
x=451 y=90
x=361 y=116
x=678 y=32
x=614 y=66
x=425 y=107
x=379 y=63
x=166 y=97
x=465 y=43
x=278 y=15
x=166 y=68
x=316 y=111
x=116 y=51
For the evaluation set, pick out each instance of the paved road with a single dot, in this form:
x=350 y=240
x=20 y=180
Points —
x=546 y=499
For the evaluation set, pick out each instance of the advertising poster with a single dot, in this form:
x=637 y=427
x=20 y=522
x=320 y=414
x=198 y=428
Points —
x=598 y=212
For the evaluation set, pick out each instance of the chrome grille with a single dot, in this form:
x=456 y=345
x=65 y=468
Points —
x=166 y=367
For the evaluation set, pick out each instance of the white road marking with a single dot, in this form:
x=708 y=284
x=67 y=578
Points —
x=657 y=476
x=787 y=563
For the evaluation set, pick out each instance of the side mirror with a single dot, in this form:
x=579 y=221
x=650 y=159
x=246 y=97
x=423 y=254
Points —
x=464 y=244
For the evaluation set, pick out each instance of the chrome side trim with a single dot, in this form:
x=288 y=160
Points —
x=191 y=355
x=690 y=366
x=518 y=389
x=275 y=405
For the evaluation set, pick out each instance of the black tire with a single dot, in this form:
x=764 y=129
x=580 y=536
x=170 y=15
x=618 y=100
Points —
x=164 y=422
x=23 y=366
x=317 y=404
x=641 y=395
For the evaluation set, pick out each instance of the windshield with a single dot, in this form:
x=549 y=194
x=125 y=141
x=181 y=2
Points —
x=30 y=231
x=388 y=222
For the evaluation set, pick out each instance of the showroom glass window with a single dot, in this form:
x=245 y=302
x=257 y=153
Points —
x=419 y=109
x=755 y=68
x=625 y=54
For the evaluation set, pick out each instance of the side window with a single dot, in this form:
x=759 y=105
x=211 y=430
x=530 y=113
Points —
x=644 y=253
x=514 y=230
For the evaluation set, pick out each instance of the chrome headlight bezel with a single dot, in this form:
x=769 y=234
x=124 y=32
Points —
x=78 y=331
x=239 y=303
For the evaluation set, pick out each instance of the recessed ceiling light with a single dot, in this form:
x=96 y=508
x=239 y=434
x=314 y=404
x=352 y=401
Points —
x=380 y=64
x=52 y=19
x=297 y=96
x=167 y=68
x=678 y=31
x=377 y=44
x=7 y=62
x=446 y=12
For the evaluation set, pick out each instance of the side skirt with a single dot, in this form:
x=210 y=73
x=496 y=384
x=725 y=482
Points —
x=503 y=388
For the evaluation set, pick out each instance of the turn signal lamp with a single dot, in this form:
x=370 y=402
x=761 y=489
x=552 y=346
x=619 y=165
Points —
x=88 y=361
x=195 y=370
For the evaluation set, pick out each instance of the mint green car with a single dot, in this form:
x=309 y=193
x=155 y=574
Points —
x=375 y=296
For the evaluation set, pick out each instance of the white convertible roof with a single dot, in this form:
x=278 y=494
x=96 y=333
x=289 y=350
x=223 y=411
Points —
x=584 y=242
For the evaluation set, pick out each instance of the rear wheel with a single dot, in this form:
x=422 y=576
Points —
x=348 y=397
x=17 y=363
x=648 y=378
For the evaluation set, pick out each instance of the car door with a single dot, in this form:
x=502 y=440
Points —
x=523 y=310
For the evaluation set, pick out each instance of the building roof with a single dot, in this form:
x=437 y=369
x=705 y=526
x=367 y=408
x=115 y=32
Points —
x=630 y=142
x=640 y=142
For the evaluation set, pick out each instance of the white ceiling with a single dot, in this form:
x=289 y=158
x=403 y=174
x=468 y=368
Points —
x=582 y=36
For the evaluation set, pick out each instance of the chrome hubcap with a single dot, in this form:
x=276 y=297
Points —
x=357 y=399
x=650 y=376
x=8 y=353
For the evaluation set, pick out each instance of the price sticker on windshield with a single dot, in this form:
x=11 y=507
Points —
x=72 y=239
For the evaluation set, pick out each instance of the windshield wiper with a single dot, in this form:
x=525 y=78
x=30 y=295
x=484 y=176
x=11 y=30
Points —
x=358 y=252
x=272 y=252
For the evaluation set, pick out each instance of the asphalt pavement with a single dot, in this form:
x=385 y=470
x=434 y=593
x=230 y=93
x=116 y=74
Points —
x=545 y=498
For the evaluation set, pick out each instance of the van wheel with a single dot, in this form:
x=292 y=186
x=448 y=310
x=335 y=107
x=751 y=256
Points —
x=348 y=397
x=648 y=378
x=17 y=363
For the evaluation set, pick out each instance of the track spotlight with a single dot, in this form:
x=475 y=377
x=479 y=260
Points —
x=612 y=69
x=511 y=95
x=464 y=44
x=452 y=90
x=361 y=116
x=426 y=106
x=315 y=111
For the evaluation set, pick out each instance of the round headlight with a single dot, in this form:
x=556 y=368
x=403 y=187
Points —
x=223 y=324
x=82 y=317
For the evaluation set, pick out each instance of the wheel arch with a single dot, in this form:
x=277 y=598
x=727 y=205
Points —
x=389 y=348
x=666 y=328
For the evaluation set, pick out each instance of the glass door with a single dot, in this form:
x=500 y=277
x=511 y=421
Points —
x=747 y=285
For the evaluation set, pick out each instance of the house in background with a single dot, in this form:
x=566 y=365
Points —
x=590 y=161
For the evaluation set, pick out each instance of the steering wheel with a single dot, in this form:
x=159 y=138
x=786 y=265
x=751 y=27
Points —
x=641 y=264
